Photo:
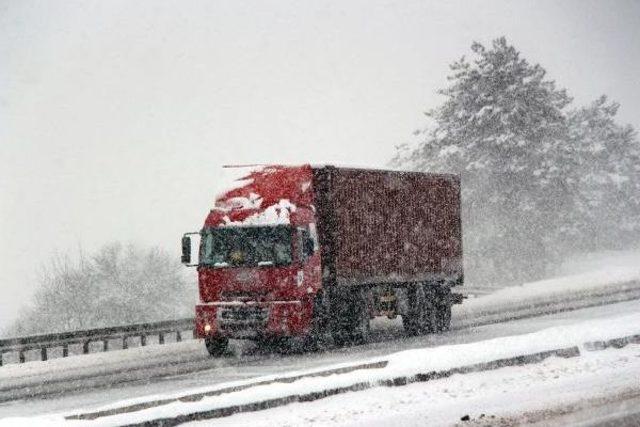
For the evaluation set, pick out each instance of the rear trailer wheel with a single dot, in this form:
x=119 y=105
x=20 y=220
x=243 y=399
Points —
x=409 y=325
x=216 y=346
x=444 y=309
x=410 y=319
x=444 y=317
x=430 y=315
x=422 y=316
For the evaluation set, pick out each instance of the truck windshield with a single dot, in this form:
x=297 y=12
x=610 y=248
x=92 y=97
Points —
x=246 y=246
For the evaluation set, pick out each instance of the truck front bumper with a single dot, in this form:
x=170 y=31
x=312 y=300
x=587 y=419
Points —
x=253 y=319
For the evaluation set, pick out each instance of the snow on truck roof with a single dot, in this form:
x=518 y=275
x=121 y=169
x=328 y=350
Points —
x=261 y=195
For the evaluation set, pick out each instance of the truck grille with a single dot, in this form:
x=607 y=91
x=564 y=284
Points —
x=243 y=320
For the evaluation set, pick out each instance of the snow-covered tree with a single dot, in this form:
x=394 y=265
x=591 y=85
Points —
x=524 y=159
x=606 y=177
x=119 y=284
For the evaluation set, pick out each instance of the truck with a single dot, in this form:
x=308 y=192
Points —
x=310 y=254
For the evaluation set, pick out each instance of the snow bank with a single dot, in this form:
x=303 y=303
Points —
x=598 y=261
x=617 y=277
x=556 y=385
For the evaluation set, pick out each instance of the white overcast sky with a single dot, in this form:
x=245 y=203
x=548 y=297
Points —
x=115 y=116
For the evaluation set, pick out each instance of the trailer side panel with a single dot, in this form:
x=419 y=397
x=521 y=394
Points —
x=389 y=226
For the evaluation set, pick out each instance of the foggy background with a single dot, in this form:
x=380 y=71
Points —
x=115 y=117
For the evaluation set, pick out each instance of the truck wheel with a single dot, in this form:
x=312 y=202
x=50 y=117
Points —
x=444 y=309
x=422 y=316
x=354 y=327
x=362 y=330
x=358 y=331
x=444 y=317
x=411 y=319
x=430 y=311
x=409 y=324
x=296 y=345
x=340 y=338
x=317 y=339
x=216 y=346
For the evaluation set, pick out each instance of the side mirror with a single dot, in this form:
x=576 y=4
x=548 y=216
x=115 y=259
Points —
x=186 y=250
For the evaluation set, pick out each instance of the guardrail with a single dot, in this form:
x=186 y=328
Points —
x=105 y=335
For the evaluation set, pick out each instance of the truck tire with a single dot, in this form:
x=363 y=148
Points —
x=430 y=317
x=444 y=317
x=342 y=328
x=354 y=325
x=340 y=338
x=444 y=308
x=297 y=345
x=422 y=316
x=361 y=333
x=411 y=319
x=216 y=346
x=318 y=338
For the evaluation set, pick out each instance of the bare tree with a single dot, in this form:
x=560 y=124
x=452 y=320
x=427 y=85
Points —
x=119 y=284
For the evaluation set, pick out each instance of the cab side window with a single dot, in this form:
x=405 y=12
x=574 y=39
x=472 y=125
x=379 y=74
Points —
x=307 y=244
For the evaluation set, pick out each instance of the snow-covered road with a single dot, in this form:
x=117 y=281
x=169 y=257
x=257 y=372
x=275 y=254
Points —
x=568 y=389
x=252 y=365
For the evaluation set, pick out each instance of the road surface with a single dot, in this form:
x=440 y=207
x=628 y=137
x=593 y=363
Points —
x=171 y=373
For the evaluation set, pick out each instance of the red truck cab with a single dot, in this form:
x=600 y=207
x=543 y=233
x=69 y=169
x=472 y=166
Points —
x=259 y=259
